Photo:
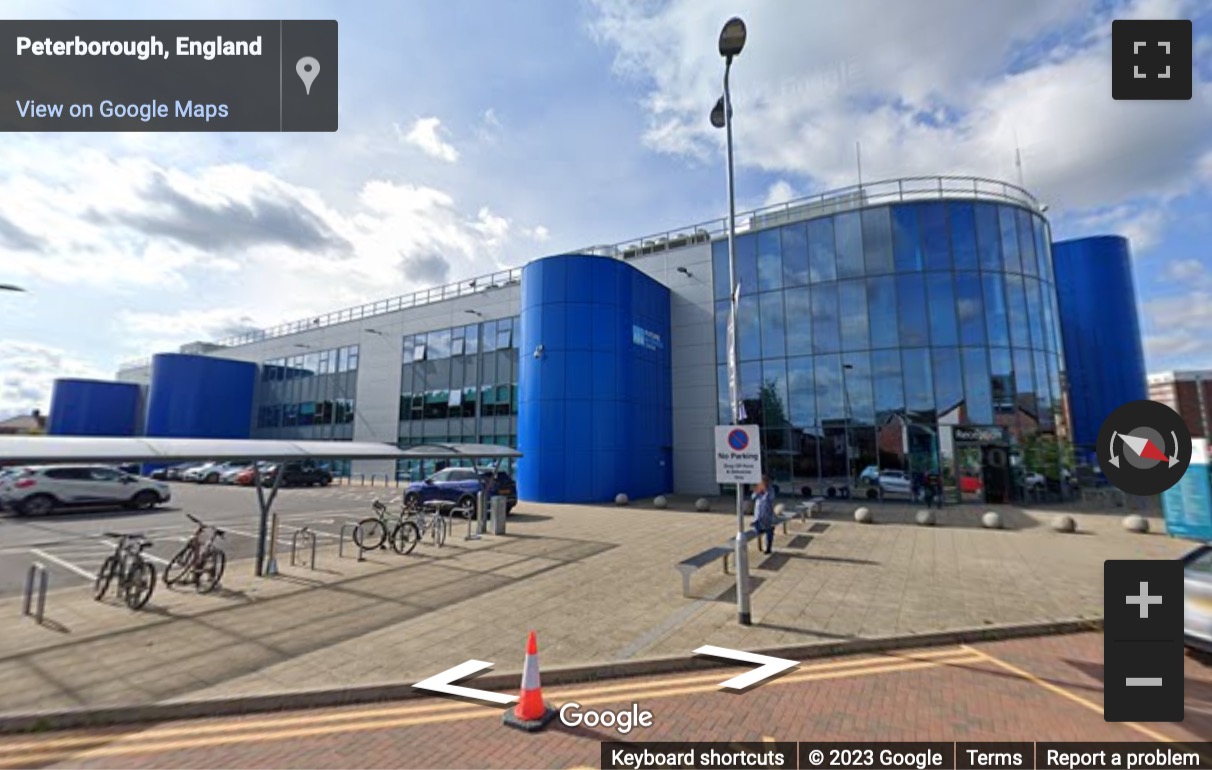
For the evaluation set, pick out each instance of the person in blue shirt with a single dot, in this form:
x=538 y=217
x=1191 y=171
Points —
x=763 y=513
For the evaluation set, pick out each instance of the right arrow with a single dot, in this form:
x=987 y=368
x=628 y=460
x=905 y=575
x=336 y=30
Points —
x=769 y=666
x=441 y=683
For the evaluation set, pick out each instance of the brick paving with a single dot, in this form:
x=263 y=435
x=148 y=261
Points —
x=598 y=584
x=979 y=693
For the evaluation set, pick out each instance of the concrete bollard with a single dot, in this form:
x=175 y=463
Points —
x=863 y=515
x=925 y=517
x=621 y=499
x=702 y=505
x=660 y=502
x=991 y=520
x=1064 y=523
x=1136 y=523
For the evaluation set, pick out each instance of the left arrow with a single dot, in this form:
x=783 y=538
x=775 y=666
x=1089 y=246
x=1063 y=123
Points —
x=769 y=666
x=442 y=683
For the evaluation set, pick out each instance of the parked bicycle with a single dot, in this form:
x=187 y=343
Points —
x=201 y=561
x=374 y=532
x=136 y=575
x=428 y=519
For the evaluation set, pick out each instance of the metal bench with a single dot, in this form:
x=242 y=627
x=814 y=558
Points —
x=688 y=567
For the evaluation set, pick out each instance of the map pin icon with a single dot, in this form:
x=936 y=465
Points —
x=308 y=68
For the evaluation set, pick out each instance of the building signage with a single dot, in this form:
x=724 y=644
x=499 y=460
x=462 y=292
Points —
x=1188 y=504
x=979 y=435
x=646 y=339
x=738 y=454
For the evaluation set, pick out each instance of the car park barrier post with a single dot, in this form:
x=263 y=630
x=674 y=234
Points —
x=481 y=512
x=37 y=571
x=350 y=526
x=308 y=537
x=272 y=569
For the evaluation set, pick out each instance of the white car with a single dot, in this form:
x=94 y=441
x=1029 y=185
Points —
x=1033 y=480
x=228 y=474
x=39 y=490
x=895 y=483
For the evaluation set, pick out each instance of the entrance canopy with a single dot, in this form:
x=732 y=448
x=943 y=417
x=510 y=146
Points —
x=29 y=450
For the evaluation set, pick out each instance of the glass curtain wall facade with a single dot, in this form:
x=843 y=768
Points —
x=459 y=385
x=918 y=338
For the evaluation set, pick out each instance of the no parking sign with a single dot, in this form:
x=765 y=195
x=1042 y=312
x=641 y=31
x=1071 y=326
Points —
x=738 y=454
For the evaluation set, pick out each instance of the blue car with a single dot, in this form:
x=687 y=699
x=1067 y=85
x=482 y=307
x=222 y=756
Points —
x=460 y=486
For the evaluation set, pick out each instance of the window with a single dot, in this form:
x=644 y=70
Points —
x=919 y=384
x=1026 y=242
x=829 y=402
x=1001 y=380
x=769 y=260
x=822 y=262
x=323 y=364
x=911 y=310
x=1035 y=312
x=948 y=382
x=290 y=415
x=773 y=322
x=420 y=352
x=456 y=341
x=852 y=306
x=1016 y=301
x=1042 y=256
x=719 y=268
x=877 y=241
x=490 y=336
x=439 y=344
x=410 y=347
x=857 y=379
x=962 y=219
x=906 y=239
x=1009 y=227
x=795 y=255
x=970 y=308
x=437 y=404
x=889 y=387
x=723 y=308
x=936 y=243
x=988 y=237
x=471 y=335
x=505 y=334
x=799 y=321
x=104 y=474
x=746 y=263
x=1024 y=382
x=311 y=364
x=941 y=305
x=849 y=238
x=307 y=413
x=881 y=305
x=749 y=329
x=826 y=331
x=324 y=412
x=469 y=402
x=995 y=309
x=774 y=394
x=343 y=360
x=801 y=391
x=977 y=394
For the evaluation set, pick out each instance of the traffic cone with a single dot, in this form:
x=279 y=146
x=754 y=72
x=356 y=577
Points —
x=531 y=713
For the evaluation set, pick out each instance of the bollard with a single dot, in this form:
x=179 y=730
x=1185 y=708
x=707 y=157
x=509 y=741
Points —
x=341 y=542
x=272 y=568
x=36 y=570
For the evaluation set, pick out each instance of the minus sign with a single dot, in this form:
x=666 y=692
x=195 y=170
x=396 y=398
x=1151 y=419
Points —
x=1144 y=681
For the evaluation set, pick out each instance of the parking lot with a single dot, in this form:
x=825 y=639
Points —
x=73 y=544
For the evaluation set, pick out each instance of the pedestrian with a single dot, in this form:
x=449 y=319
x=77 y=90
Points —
x=763 y=513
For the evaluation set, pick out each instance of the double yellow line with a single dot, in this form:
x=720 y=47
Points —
x=229 y=731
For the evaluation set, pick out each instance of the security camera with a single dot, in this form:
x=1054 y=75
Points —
x=538 y=352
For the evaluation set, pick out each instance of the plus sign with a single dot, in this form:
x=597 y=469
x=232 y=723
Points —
x=1144 y=600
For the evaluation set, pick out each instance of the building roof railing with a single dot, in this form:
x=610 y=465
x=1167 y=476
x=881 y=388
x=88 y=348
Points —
x=902 y=190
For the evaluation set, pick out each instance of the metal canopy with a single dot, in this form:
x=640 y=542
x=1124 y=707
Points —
x=29 y=450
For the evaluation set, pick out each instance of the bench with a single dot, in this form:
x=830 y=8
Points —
x=688 y=567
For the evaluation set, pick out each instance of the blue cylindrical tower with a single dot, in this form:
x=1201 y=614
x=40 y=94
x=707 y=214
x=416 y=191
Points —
x=200 y=397
x=1104 y=357
x=94 y=408
x=594 y=403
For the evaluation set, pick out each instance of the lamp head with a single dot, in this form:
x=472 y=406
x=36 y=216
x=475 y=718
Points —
x=717 y=114
x=732 y=37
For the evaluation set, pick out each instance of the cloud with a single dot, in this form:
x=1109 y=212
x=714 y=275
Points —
x=427 y=270
x=490 y=128
x=1175 y=330
x=14 y=238
x=1186 y=271
x=780 y=192
x=1144 y=225
x=266 y=215
x=28 y=372
x=942 y=88
x=538 y=233
x=425 y=135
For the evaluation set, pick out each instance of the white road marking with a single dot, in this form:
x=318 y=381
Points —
x=67 y=565
x=146 y=555
x=250 y=535
x=316 y=532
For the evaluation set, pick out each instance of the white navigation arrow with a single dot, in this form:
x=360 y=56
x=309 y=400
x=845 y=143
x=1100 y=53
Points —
x=441 y=683
x=769 y=666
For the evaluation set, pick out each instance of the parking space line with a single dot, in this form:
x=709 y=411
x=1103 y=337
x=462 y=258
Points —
x=67 y=565
x=250 y=535
x=144 y=554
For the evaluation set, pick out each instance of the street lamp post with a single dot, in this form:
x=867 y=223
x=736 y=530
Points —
x=10 y=287
x=846 y=421
x=732 y=41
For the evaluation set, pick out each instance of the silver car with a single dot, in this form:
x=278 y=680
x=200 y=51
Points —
x=1197 y=598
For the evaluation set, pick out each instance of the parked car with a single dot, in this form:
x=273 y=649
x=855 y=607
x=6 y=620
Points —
x=1197 y=598
x=39 y=490
x=894 y=482
x=170 y=472
x=198 y=472
x=460 y=486
x=869 y=475
x=247 y=476
x=298 y=474
x=229 y=474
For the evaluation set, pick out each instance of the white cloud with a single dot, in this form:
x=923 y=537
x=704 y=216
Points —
x=1186 y=271
x=943 y=88
x=1143 y=225
x=780 y=192
x=425 y=135
x=28 y=371
x=538 y=233
x=1175 y=330
x=490 y=128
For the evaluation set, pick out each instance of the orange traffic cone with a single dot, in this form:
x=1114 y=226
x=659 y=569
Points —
x=531 y=713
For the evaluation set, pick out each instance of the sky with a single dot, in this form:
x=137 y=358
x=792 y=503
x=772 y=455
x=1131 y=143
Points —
x=476 y=136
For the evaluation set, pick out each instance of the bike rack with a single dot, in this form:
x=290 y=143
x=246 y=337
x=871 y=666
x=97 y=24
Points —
x=472 y=533
x=36 y=570
x=350 y=526
x=307 y=536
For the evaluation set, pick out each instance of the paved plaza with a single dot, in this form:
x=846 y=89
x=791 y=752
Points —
x=598 y=584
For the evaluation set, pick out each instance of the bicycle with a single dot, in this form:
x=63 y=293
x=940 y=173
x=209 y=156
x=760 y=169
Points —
x=432 y=522
x=373 y=532
x=136 y=576
x=201 y=561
